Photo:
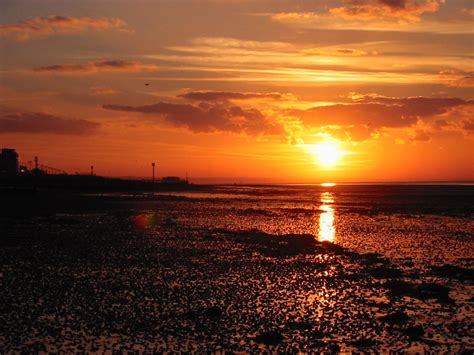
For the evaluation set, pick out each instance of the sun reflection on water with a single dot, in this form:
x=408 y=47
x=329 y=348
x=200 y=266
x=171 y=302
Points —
x=327 y=230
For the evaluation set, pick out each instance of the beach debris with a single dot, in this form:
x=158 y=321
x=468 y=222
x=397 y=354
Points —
x=398 y=317
x=270 y=337
x=422 y=291
x=363 y=343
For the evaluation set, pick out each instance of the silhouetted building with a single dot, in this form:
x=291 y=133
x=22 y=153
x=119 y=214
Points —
x=38 y=172
x=8 y=162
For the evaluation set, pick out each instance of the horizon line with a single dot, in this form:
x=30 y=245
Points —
x=265 y=181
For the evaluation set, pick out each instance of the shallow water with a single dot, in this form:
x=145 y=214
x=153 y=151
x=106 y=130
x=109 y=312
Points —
x=421 y=222
x=279 y=268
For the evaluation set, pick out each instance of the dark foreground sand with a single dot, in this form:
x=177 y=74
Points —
x=95 y=275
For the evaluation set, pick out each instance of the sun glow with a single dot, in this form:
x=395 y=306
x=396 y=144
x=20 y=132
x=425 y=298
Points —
x=328 y=184
x=327 y=153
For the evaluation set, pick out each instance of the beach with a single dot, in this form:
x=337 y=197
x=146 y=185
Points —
x=287 y=268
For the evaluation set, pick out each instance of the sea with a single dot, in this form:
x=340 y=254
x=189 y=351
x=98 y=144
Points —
x=430 y=223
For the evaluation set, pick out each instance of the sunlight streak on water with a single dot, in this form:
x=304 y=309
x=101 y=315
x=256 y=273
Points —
x=327 y=230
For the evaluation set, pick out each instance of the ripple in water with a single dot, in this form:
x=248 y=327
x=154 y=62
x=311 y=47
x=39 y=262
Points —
x=327 y=231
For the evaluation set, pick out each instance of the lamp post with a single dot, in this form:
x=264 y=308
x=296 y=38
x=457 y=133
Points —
x=153 y=174
x=153 y=177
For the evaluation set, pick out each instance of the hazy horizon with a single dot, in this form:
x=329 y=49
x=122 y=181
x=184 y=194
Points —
x=270 y=181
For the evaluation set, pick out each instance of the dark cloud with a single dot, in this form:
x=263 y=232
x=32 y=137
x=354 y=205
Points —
x=224 y=96
x=421 y=136
x=458 y=78
x=46 y=26
x=468 y=125
x=364 y=115
x=357 y=133
x=208 y=117
x=398 y=4
x=379 y=111
x=418 y=105
x=338 y=52
x=37 y=122
x=96 y=66
x=374 y=115
x=409 y=10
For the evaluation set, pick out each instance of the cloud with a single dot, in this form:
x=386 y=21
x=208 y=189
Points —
x=366 y=114
x=296 y=64
x=38 y=122
x=421 y=136
x=468 y=125
x=469 y=11
x=225 y=96
x=369 y=10
x=458 y=78
x=373 y=14
x=102 y=90
x=416 y=105
x=229 y=42
x=208 y=117
x=356 y=133
x=294 y=16
x=95 y=67
x=47 y=26
x=338 y=52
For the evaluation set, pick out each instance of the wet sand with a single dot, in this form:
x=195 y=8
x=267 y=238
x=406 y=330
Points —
x=196 y=273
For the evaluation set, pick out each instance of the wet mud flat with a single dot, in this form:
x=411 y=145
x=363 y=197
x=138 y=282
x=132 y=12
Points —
x=136 y=275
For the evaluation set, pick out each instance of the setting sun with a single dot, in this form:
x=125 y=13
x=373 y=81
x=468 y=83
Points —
x=328 y=184
x=327 y=153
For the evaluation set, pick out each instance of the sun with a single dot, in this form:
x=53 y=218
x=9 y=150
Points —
x=327 y=153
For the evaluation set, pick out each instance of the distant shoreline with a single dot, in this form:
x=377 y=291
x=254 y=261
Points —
x=250 y=182
x=84 y=183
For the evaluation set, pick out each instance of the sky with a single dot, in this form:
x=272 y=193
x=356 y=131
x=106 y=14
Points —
x=289 y=91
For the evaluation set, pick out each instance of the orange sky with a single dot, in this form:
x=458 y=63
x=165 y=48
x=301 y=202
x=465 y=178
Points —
x=241 y=90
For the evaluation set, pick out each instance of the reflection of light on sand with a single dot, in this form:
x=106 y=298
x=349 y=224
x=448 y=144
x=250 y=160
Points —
x=144 y=220
x=326 y=218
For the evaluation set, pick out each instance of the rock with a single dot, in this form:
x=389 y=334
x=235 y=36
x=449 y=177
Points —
x=213 y=312
x=414 y=331
x=398 y=317
x=272 y=337
x=422 y=292
x=364 y=343
x=454 y=272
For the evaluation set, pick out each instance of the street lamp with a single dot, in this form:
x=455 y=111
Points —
x=153 y=172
